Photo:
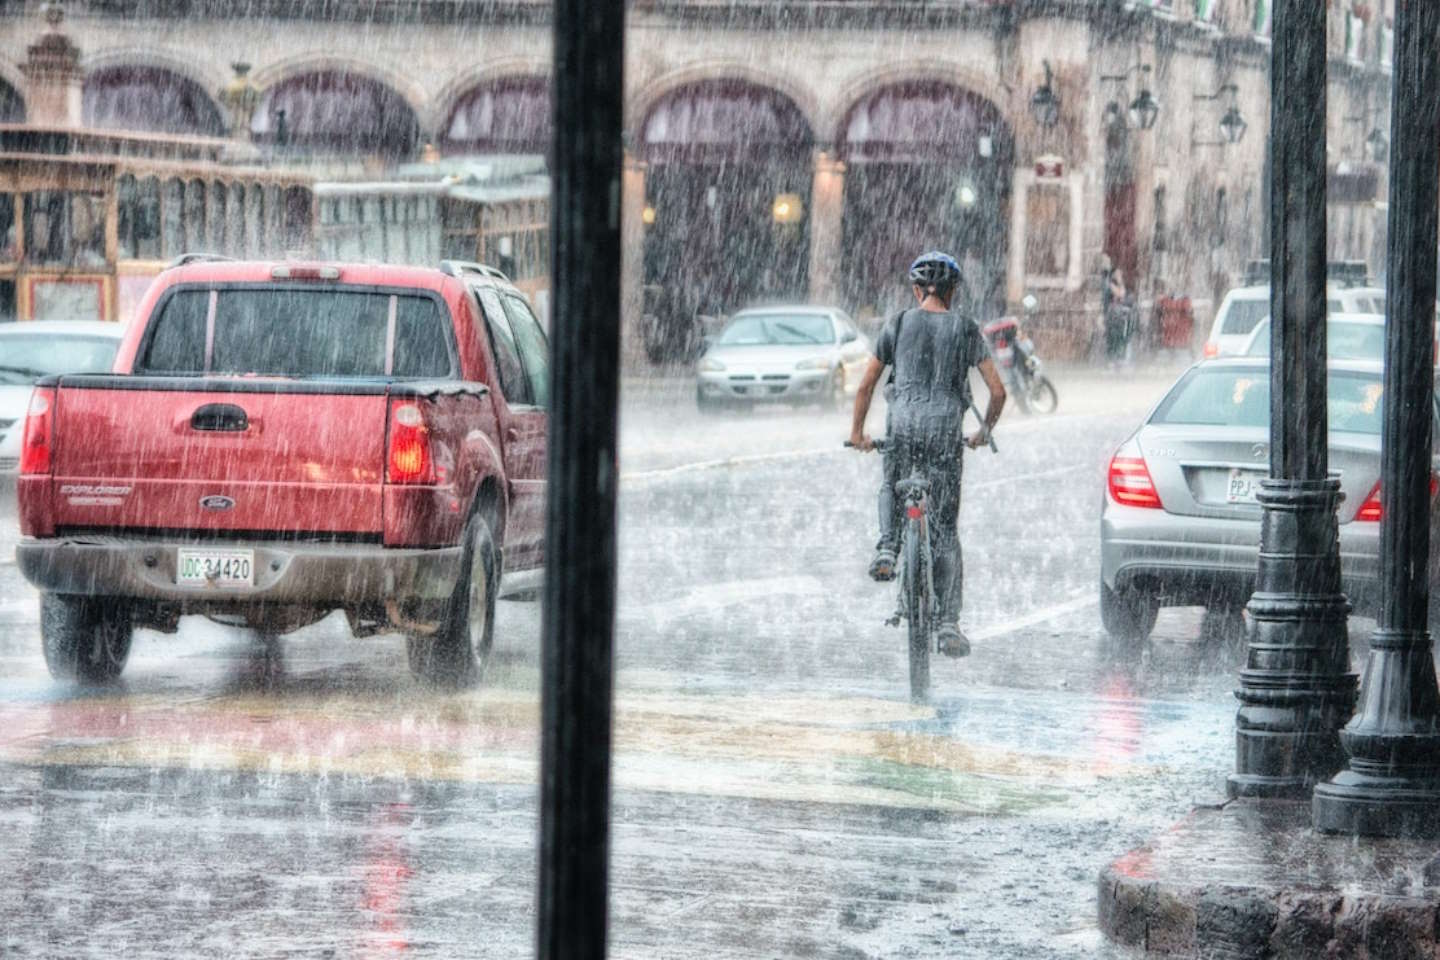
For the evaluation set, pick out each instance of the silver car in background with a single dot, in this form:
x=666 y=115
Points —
x=1180 y=525
x=792 y=354
x=33 y=349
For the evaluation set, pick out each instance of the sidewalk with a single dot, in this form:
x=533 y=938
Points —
x=1250 y=879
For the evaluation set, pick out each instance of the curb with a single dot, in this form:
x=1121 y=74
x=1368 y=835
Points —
x=1252 y=880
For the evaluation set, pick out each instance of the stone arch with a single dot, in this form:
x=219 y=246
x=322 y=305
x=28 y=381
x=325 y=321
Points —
x=929 y=163
x=149 y=97
x=337 y=110
x=12 y=102
x=277 y=72
x=12 y=79
x=724 y=117
x=504 y=114
x=441 y=103
x=984 y=87
x=208 y=76
x=642 y=103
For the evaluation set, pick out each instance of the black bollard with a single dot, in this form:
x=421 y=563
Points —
x=579 y=615
x=1296 y=690
x=1392 y=784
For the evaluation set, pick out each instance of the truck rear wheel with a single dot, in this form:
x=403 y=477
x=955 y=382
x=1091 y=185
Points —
x=83 y=638
x=455 y=655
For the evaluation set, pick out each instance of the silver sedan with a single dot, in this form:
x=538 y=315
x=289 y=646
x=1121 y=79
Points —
x=793 y=354
x=1180 y=524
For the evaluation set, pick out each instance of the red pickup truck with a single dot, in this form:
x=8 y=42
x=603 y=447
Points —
x=281 y=440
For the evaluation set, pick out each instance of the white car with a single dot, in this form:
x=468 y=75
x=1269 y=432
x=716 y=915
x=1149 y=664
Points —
x=34 y=349
x=1349 y=336
x=790 y=354
x=1244 y=307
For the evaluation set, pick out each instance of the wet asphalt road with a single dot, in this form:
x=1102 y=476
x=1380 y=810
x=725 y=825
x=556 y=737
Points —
x=776 y=793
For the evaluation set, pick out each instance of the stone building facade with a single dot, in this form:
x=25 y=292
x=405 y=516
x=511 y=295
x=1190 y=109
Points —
x=792 y=149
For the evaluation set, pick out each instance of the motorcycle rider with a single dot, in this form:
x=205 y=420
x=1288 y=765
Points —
x=931 y=348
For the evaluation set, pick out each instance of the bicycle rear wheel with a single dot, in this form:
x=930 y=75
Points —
x=917 y=614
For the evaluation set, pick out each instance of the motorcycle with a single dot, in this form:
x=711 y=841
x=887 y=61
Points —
x=1020 y=366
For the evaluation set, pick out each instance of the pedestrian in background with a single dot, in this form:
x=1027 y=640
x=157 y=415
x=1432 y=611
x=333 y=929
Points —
x=1119 y=319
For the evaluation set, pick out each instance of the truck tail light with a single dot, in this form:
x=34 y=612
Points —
x=408 y=458
x=1129 y=482
x=1371 y=512
x=37 y=440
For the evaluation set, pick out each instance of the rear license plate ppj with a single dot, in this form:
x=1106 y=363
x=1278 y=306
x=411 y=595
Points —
x=1243 y=486
x=215 y=568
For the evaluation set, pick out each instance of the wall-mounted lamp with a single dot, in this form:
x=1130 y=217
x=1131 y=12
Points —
x=788 y=208
x=1232 y=123
x=1375 y=141
x=1143 y=111
x=647 y=215
x=1045 y=103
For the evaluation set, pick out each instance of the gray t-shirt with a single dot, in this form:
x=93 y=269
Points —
x=931 y=355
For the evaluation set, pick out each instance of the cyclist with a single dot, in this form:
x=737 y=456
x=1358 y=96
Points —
x=931 y=349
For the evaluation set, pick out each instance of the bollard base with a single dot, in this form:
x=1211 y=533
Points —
x=1366 y=806
x=1240 y=786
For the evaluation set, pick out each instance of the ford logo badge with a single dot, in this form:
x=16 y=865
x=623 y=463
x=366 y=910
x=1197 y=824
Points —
x=216 y=502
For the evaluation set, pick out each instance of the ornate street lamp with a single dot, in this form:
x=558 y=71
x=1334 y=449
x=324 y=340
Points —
x=1379 y=146
x=1143 y=111
x=1232 y=123
x=1045 y=104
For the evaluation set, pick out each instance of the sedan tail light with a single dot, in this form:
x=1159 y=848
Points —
x=37 y=441
x=1212 y=349
x=1372 y=512
x=1129 y=481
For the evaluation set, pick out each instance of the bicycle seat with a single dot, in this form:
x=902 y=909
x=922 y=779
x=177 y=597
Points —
x=919 y=486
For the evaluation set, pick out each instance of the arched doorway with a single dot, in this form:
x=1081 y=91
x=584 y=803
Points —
x=727 y=195
x=506 y=116
x=928 y=166
x=334 y=112
x=151 y=99
x=12 y=105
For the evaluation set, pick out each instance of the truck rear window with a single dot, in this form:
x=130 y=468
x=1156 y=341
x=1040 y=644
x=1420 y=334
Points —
x=299 y=333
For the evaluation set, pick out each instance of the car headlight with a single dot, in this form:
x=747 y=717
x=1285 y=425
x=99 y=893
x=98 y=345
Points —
x=709 y=365
x=814 y=363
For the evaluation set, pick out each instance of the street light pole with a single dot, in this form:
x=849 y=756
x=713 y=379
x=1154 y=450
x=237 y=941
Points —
x=1296 y=691
x=577 y=659
x=1392 y=784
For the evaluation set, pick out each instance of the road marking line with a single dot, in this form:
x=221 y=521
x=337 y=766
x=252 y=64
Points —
x=1016 y=624
x=716 y=596
x=1037 y=475
x=700 y=465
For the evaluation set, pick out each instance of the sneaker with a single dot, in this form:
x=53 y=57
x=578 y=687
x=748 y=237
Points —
x=882 y=568
x=951 y=642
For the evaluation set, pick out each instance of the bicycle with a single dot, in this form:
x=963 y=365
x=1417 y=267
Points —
x=916 y=602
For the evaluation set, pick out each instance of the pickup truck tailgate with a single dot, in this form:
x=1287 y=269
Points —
x=252 y=457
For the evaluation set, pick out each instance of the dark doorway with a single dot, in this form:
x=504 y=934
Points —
x=727 y=197
x=928 y=167
x=1120 y=203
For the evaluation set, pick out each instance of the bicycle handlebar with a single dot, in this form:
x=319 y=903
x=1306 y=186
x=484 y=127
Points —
x=880 y=443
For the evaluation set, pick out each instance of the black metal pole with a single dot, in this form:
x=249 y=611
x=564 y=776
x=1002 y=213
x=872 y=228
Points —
x=579 y=614
x=1392 y=784
x=1296 y=691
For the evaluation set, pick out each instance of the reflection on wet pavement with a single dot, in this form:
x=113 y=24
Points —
x=776 y=793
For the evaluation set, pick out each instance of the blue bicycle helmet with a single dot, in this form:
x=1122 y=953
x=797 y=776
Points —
x=935 y=271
